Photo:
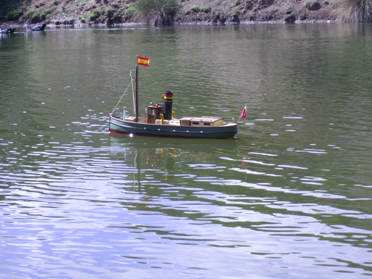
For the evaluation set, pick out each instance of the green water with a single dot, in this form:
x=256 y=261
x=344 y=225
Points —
x=291 y=198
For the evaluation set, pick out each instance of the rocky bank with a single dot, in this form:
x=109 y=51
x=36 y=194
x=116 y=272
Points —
x=122 y=12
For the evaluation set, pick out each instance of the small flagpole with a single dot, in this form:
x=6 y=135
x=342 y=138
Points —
x=136 y=112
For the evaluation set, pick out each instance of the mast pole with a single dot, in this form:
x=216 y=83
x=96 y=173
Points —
x=136 y=112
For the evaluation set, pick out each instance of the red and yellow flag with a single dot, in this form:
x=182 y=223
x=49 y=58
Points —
x=143 y=61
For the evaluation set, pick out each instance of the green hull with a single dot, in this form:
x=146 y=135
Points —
x=119 y=126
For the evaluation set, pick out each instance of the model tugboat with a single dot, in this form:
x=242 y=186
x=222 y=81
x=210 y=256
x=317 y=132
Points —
x=162 y=122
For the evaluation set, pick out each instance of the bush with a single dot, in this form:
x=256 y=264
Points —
x=14 y=15
x=198 y=9
x=313 y=5
x=30 y=13
x=359 y=10
x=49 y=11
x=35 y=16
x=131 y=10
x=110 y=13
x=195 y=9
x=158 y=12
x=93 y=16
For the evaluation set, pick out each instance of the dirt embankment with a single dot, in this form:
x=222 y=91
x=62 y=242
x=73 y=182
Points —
x=119 y=12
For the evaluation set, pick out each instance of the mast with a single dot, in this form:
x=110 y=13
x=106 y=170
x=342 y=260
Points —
x=145 y=62
x=136 y=106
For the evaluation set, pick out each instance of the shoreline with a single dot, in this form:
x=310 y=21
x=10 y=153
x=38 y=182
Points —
x=203 y=23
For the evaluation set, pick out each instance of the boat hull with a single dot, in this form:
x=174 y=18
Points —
x=119 y=126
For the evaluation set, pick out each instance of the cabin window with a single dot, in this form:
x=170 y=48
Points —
x=195 y=123
x=207 y=124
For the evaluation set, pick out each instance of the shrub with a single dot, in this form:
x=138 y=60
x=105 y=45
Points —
x=158 y=12
x=131 y=11
x=313 y=5
x=35 y=16
x=110 y=13
x=359 y=10
x=195 y=9
x=198 y=9
x=30 y=13
x=93 y=15
x=14 y=15
x=82 y=20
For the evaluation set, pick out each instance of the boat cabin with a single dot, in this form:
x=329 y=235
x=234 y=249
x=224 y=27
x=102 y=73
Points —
x=204 y=121
x=153 y=113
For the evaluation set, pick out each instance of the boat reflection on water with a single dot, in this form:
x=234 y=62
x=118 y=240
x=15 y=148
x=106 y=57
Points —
x=181 y=146
x=169 y=155
x=154 y=166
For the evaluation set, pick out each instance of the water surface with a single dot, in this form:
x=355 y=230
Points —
x=290 y=198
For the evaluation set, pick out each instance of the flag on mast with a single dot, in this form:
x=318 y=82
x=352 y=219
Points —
x=143 y=61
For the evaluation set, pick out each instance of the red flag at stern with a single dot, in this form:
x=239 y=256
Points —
x=244 y=113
